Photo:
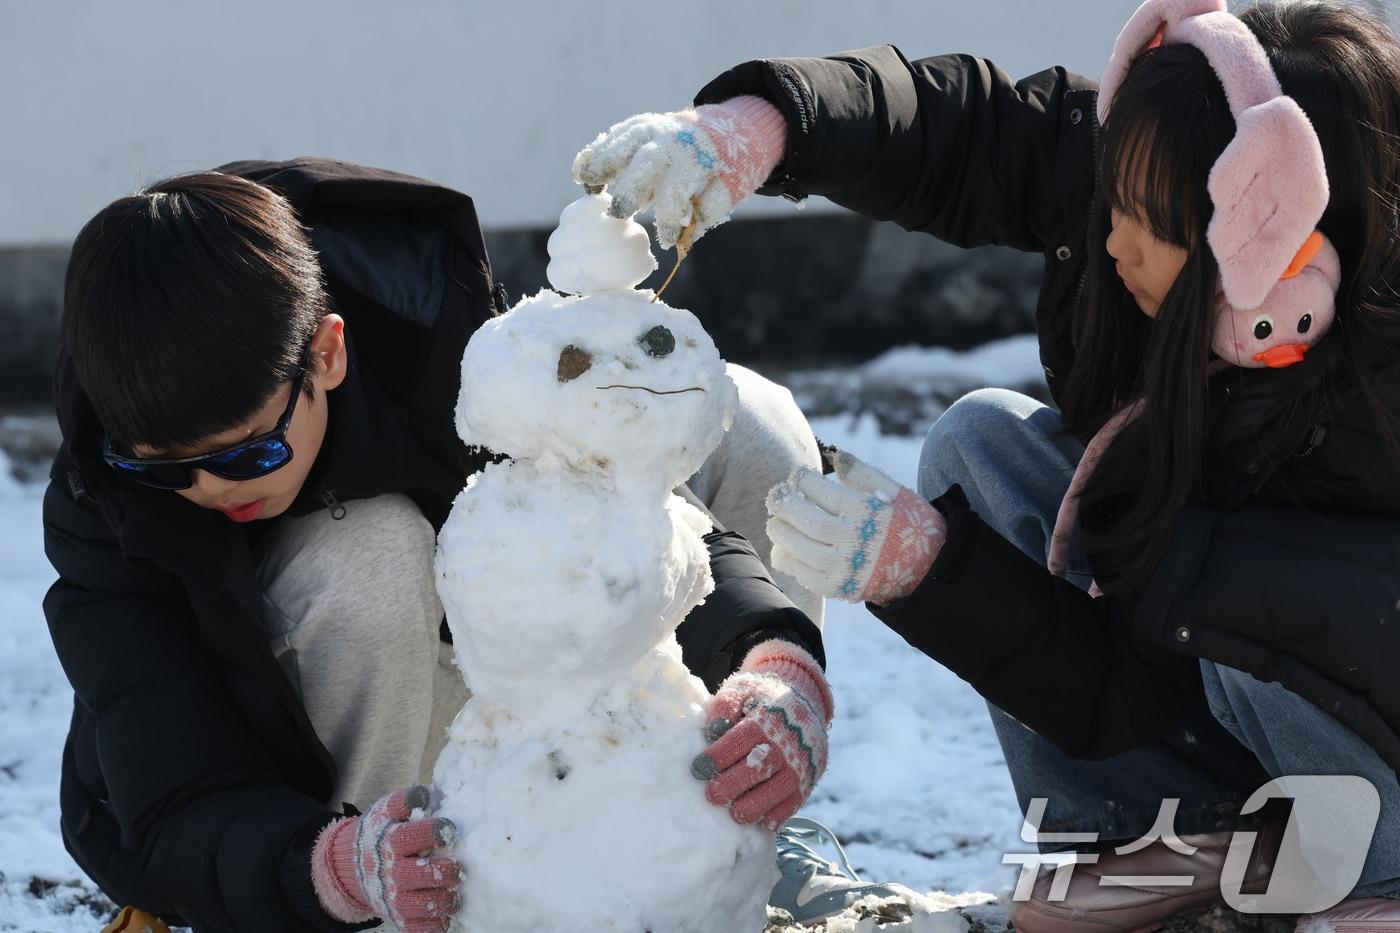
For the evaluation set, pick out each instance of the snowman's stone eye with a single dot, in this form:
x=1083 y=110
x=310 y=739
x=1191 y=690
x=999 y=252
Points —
x=573 y=363
x=658 y=342
x=1304 y=323
x=1263 y=327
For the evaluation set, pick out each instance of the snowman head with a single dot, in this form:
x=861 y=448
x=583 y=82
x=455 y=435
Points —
x=611 y=383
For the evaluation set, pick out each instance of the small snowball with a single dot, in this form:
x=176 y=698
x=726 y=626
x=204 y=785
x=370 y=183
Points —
x=593 y=252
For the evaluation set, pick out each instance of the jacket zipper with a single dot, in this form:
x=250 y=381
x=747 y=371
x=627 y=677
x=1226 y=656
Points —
x=78 y=490
x=331 y=503
x=1089 y=224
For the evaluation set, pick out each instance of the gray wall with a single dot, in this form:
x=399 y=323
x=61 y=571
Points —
x=494 y=97
x=491 y=96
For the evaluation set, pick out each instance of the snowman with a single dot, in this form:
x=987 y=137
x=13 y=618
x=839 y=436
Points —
x=564 y=572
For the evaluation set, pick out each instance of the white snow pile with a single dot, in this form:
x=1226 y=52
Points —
x=564 y=573
x=931 y=913
x=907 y=388
x=1010 y=362
x=10 y=488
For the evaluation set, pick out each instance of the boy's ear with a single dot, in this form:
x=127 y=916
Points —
x=328 y=357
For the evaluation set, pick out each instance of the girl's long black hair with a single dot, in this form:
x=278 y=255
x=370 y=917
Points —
x=1168 y=124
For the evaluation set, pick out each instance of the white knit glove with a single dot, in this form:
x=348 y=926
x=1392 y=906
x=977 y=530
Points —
x=694 y=165
x=864 y=538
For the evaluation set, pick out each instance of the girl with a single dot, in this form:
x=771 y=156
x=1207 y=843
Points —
x=1243 y=524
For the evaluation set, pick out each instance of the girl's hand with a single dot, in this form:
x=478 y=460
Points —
x=768 y=724
x=864 y=538
x=381 y=864
x=694 y=165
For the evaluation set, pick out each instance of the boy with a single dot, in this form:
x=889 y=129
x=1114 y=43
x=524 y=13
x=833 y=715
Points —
x=256 y=387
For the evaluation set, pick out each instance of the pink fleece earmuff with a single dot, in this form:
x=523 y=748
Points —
x=1269 y=186
x=1279 y=275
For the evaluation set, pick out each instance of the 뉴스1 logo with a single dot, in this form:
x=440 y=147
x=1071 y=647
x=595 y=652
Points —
x=1318 y=864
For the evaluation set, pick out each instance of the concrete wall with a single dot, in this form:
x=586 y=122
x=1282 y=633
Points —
x=492 y=96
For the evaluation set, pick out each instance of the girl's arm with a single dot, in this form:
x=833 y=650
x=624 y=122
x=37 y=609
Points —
x=1063 y=663
x=948 y=145
x=1072 y=668
x=1306 y=600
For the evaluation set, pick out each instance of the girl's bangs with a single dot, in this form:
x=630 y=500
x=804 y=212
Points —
x=1161 y=139
x=1143 y=179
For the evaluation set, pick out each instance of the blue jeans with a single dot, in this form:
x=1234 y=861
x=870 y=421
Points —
x=1000 y=447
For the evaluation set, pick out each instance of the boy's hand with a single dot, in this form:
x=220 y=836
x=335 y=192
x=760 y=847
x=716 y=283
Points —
x=863 y=538
x=695 y=165
x=381 y=864
x=768 y=725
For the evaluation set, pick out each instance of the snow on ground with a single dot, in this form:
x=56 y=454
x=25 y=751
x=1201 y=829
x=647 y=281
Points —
x=916 y=786
x=906 y=388
x=916 y=789
x=40 y=887
x=1012 y=361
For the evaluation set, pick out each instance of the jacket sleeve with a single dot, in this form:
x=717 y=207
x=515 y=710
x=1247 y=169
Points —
x=1072 y=668
x=948 y=145
x=196 y=796
x=746 y=608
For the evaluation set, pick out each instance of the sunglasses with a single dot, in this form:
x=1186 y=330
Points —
x=257 y=456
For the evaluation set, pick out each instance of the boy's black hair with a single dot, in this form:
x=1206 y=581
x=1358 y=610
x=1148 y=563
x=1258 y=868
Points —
x=187 y=305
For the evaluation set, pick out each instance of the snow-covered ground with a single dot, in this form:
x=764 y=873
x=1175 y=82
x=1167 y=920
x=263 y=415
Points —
x=916 y=785
x=40 y=887
x=906 y=388
x=917 y=789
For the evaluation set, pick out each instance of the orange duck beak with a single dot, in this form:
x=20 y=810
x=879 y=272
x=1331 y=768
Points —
x=1281 y=356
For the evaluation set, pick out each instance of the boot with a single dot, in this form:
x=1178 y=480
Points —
x=1090 y=906
x=1356 y=915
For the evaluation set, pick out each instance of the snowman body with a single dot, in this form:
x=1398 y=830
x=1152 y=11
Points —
x=564 y=573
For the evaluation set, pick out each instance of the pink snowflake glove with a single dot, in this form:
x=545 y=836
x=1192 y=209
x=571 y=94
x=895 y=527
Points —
x=864 y=538
x=767 y=727
x=694 y=165
x=380 y=864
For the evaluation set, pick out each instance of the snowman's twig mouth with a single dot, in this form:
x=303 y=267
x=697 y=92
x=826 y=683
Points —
x=655 y=391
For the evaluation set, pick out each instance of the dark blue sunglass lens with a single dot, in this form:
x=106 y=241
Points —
x=250 y=462
x=160 y=475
